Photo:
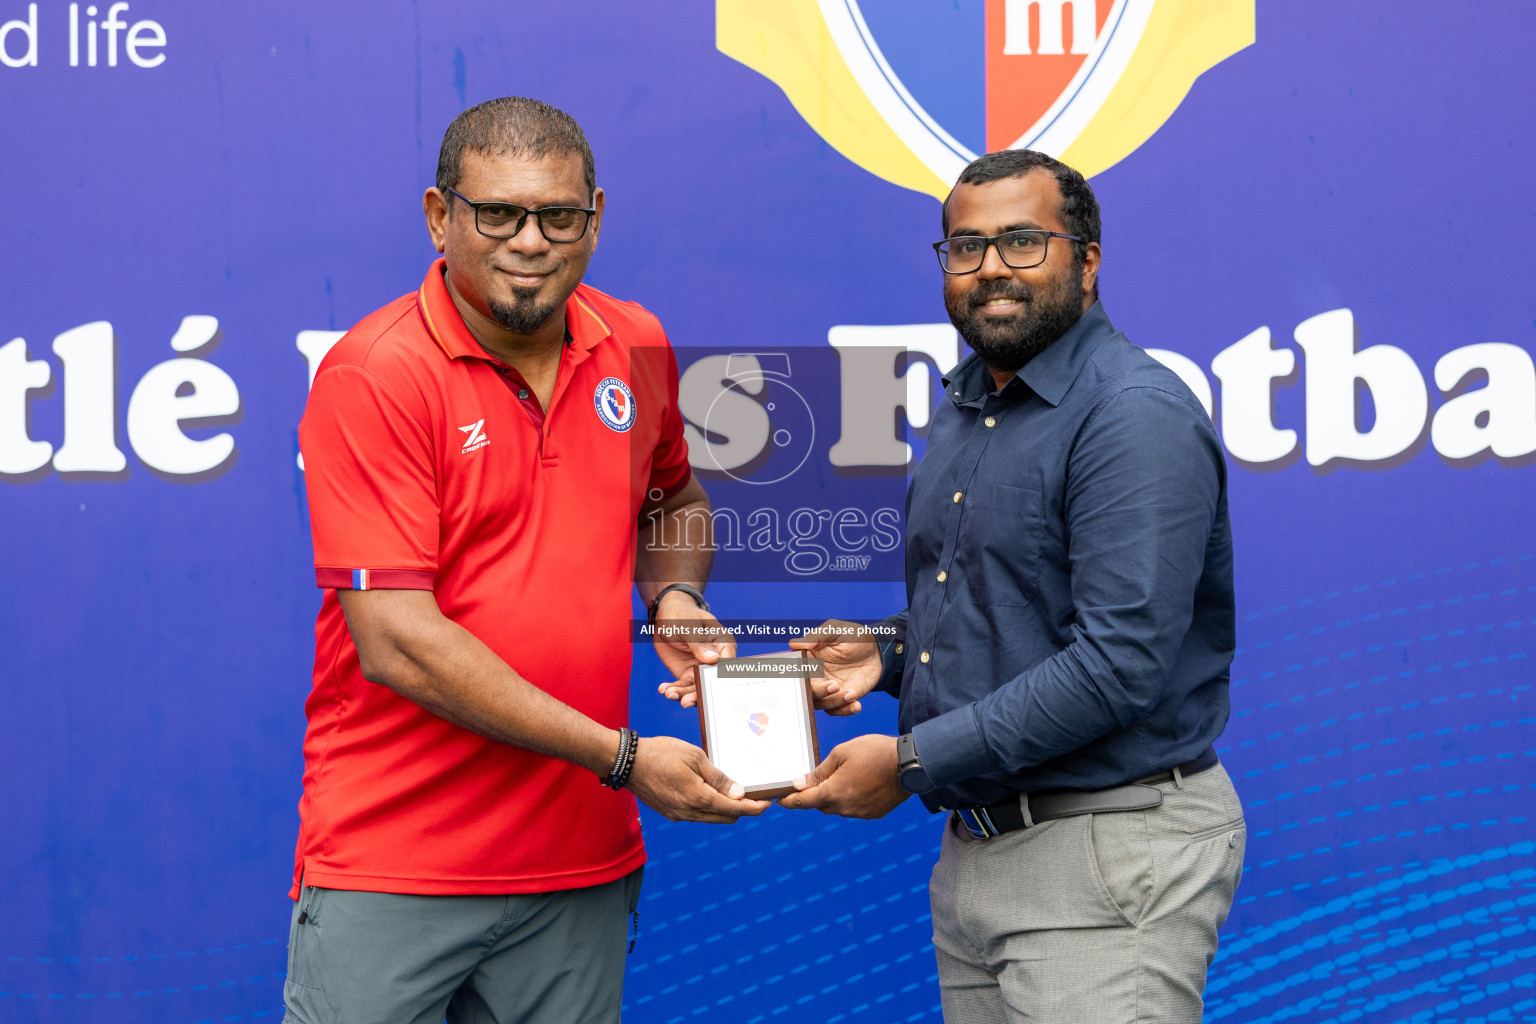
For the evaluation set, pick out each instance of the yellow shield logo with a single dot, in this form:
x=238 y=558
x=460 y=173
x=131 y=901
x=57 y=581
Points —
x=913 y=90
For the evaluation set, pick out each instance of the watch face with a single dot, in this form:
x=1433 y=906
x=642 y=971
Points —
x=913 y=779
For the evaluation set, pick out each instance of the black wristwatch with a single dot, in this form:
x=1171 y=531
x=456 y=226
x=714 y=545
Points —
x=909 y=770
x=698 y=598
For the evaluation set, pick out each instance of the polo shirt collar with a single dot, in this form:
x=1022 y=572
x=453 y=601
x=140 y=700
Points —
x=584 y=325
x=1049 y=375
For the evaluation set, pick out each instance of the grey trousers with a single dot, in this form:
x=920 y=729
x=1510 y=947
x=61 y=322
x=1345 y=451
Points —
x=383 y=958
x=1097 y=919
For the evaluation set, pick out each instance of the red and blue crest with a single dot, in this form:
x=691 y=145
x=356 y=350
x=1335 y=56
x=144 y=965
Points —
x=913 y=90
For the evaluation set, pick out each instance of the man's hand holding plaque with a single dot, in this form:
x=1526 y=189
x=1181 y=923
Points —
x=857 y=780
x=688 y=636
x=676 y=780
x=757 y=719
x=850 y=664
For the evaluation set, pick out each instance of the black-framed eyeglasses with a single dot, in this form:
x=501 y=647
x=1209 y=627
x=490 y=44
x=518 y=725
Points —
x=963 y=254
x=504 y=220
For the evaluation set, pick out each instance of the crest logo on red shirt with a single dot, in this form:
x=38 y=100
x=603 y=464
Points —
x=615 y=404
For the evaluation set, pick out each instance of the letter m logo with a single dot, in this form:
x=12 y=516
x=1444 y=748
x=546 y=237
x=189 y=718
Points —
x=1016 y=35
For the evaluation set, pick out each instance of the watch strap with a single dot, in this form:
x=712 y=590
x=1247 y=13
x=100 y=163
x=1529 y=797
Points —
x=693 y=592
x=909 y=767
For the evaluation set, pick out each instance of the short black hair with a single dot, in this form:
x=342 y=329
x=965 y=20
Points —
x=1079 y=207
x=516 y=125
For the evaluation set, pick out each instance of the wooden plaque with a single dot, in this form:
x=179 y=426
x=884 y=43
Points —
x=760 y=727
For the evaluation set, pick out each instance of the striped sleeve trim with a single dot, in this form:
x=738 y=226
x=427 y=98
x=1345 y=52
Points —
x=331 y=578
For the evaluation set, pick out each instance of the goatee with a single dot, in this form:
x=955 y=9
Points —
x=523 y=315
x=1007 y=343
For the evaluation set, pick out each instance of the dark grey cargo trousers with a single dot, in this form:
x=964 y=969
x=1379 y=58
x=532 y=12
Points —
x=384 y=958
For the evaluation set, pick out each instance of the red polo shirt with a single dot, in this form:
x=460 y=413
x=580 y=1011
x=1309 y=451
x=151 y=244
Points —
x=430 y=466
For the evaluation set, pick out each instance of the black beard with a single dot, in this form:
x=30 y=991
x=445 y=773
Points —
x=1007 y=344
x=524 y=315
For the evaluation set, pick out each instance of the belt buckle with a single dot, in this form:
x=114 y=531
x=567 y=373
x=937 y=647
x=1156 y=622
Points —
x=978 y=823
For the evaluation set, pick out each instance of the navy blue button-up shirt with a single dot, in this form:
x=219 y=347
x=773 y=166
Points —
x=1070 y=614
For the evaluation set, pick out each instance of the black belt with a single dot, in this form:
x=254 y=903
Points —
x=1033 y=808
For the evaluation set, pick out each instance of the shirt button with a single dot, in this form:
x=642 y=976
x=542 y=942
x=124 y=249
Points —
x=991 y=421
x=522 y=392
x=1232 y=841
x=943 y=576
x=898 y=648
x=923 y=657
x=957 y=497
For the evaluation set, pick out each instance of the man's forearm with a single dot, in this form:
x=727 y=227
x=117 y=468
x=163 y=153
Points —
x=674 y=546
x=1055 y=707
x=405 y=643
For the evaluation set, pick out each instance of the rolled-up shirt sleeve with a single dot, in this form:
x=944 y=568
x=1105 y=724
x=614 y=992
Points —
x=1144 y=487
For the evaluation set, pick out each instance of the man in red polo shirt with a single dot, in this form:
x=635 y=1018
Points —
x=479 y=455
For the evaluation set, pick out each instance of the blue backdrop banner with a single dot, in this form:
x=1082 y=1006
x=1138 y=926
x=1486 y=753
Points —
x=1318 y=213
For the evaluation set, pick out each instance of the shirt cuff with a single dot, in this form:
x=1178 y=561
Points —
x=893 y=662
x=951 y=747
x=338 y=578
x=893 y=656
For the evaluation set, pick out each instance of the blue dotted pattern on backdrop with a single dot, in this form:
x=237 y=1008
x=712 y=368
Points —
x=1382 y=740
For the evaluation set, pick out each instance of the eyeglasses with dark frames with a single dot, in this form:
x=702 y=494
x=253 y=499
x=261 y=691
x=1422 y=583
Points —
x=504 y=220
x=964 y=254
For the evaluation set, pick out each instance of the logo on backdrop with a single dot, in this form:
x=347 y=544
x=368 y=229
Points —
x=910 y=91
x=615 y=404
x=913 y=93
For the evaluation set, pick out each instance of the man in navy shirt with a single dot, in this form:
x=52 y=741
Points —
x=1068 y=638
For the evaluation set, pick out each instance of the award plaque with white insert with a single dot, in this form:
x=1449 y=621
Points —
x=757 y=717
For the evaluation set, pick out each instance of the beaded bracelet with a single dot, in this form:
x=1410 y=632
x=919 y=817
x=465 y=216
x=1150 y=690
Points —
x=624 y=762
x=629 y=762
